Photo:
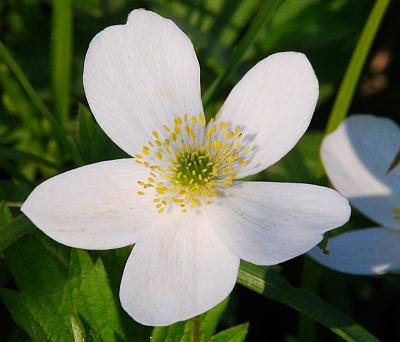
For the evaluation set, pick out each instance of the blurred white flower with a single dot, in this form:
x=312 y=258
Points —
x=177 y=199
x=357 y=157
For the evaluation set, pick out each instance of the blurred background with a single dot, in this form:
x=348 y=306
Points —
x=43 y=45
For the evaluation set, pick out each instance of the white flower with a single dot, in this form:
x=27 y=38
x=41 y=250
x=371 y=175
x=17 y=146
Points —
x=177 y=199
x=357 y=157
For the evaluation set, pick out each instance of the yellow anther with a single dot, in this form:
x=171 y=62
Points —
x=231 y=159
x=160 y=210
x=223 y=125
x=156 y=135
x=227 y=135
x=159 y=155
x=167 y=128
x=139 y=156
x=158 y=142
x=202 y=120
x=155 y=200
x=161 y=190
x=173 y=137
x=140 y=193
x=146 y=150
x=194 y=120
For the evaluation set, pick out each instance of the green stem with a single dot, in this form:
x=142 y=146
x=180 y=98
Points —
x=11 y=204
x=263 y=16
x=196 y=329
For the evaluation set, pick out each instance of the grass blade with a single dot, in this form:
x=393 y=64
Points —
x=356 y=64
x=14 y=230
x=59 y=131
x=263 y=16
x=61 y=56
x=267 y=282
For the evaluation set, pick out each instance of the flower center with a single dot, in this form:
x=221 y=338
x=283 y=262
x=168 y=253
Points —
x=193 y=168
x=189 y=164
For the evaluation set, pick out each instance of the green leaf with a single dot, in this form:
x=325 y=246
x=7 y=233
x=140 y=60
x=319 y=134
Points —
x=211 y=319
x=22 y=316
x=267 y=282
x=14 y=230
x=175 y=332
x=356 y=64
x=234 y=334
x=42 y=292
x=262 y=17
x=48 y=289
x=92 y=297
x=61 y=56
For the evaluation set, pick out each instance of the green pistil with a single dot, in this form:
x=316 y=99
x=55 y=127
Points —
x=194 y=168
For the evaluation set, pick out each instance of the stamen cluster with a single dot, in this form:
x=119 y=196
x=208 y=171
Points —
x=190 y=163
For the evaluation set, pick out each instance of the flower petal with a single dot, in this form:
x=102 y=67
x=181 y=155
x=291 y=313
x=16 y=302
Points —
x=138 y=76
x=268 y=223
x=357 y=157
x=92 y=207
x=366 y=251
x=181 y=270
x=273 y=105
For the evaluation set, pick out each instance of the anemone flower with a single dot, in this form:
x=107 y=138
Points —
x=357 y=157
x=177 y=199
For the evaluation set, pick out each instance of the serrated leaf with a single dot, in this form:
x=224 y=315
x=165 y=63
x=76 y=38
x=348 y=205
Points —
x=92 y=297
x=46 y=290
x=41 y=290
x=211 y=319
x=234 y=334
x=20 y=314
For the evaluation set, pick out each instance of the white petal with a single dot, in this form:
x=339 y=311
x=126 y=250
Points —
x=366 y=251
x=92 y=207
x=181 y=270
x=357 y=157
x=138 y=76
x=272 y=105
x=268 y=223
